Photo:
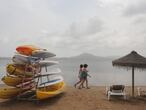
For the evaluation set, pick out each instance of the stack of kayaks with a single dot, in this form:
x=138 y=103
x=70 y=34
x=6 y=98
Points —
x=25 y=74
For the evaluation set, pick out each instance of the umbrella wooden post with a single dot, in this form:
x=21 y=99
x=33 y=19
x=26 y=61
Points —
x=133 y=81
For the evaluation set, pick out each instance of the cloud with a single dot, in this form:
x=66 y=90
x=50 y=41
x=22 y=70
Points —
x=69 y=27
x=26 y=17
x=77 y=33
x=136 y=8
x=4 y=40
x=85 y=28
x=76 y=38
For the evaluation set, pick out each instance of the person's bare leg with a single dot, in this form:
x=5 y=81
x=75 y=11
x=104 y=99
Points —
x=77 y=83
x=87 y=83
x=83 y=85
x=82 y=82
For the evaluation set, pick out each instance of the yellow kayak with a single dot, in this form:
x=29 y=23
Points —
x=18 y=70
x=14 y=80
x=50 y=91
x=10 y=92
x=6 y=93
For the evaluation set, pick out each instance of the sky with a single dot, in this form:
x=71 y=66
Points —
x=71 y=27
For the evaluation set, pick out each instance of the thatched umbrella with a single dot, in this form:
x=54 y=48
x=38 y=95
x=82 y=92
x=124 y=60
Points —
x=132 y=60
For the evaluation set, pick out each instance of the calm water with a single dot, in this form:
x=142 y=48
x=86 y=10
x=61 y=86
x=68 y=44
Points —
x=102 y=72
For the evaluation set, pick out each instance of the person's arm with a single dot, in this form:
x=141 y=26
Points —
x=87 y=72
x=88 y=75
x=79 y=73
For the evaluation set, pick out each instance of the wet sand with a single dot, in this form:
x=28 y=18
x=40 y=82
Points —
x=79 y=99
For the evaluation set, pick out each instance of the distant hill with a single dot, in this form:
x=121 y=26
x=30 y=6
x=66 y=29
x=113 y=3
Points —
x=86 y=56
x=82 y=56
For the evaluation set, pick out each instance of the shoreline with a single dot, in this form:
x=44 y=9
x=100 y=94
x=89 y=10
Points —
x=79 y=99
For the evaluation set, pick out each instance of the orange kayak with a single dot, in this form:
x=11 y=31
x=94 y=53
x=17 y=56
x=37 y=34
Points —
x=27 y=49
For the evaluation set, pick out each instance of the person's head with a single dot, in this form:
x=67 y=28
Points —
x=81 y=66
x=85 y=65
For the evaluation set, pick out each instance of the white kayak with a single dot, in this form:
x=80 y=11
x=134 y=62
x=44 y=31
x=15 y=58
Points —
x=42 y=54
x=23 y=59
x=46 y=63
x=50 y=80
x=54 y=72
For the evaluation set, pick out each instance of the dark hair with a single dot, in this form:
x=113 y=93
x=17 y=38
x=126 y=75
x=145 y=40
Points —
x=85 y=65
x=81 y=65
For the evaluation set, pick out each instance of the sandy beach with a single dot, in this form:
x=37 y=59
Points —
x=76 y=99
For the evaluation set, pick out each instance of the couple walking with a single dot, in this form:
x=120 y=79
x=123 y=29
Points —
x=83 y=73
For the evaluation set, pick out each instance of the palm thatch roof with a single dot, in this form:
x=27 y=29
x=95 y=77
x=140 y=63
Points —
x=131 y=60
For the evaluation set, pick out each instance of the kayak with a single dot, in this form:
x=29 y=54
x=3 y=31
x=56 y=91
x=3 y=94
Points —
x=11 y=92
x=23 y=59
x=18 y=70
x=25 y=84
x=26 y=49
x=50 y=91
x=46 y=63
x=42 y=54
x=14 y=80
x=6 y=93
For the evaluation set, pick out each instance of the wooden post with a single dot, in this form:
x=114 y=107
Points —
x=133 y=81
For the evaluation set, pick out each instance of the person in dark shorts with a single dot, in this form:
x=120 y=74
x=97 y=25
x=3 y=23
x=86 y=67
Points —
x=84 y=76
x=79 y=76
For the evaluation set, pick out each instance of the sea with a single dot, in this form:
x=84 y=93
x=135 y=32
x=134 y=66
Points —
x=100 y=69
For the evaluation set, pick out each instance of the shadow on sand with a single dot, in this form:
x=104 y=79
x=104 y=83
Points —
x=15 y=104
x=129 y=100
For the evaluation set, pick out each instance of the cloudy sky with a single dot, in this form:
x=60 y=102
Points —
x=72 y=27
